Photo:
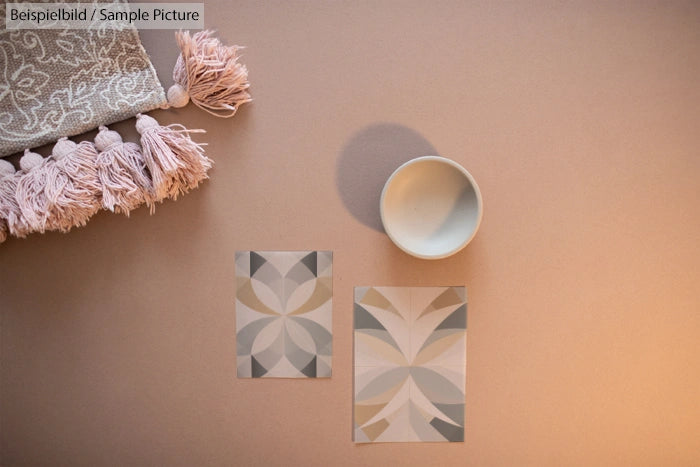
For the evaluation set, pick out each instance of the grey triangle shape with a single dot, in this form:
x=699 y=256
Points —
x=256 y=369
x=256 y=262
x=311 y=262
x=454 y=411
x=310 y=369
x=456 y=320
x=451 y=432
x=365 y=320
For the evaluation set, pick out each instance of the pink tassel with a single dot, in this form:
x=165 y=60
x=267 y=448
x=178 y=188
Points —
x=35 y=191
x=122 y=172
x=176 y=163
x=63 y=191
x=81 y=197
x=8 y=204
x=17 y=223
x=208 y=73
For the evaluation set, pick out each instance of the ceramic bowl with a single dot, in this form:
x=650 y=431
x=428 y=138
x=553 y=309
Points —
x=431 y=207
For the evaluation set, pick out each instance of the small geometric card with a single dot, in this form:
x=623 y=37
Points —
x=410 y=362
x=284 y=314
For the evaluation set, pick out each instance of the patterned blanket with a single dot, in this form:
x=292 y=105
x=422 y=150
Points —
x=56 y=83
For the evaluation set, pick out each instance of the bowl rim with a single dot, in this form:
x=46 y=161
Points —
x=470 y=179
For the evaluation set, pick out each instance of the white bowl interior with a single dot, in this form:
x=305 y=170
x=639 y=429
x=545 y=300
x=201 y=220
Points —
x=431 y=207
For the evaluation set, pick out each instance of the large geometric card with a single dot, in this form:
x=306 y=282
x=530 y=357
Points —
x=284 y=314
x=410 y=364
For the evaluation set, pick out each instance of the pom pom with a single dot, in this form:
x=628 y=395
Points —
x=177 y=96
x=63 y=148
x=30 y=160
x=176 y=163
x=6 y=168
x=210 y=75
x=122 y=172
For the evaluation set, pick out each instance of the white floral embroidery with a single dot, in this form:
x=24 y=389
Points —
x=57 y=83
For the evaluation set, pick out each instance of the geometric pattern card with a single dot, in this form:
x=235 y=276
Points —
x=284 y=314
x=410 y=364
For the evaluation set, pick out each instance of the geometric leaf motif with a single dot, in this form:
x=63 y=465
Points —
x=410 y=364
x=284 y=314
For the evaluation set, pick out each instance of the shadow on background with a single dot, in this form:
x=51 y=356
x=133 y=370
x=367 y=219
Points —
x=368 y=159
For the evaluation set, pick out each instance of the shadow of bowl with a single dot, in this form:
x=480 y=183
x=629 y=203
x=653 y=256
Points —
x=366 y=162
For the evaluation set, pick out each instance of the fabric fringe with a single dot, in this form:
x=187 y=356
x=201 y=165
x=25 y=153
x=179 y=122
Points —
x=67 y=188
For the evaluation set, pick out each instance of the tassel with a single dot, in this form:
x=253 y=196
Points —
x=176 y=163
x=122 y=172
x=34 y=194
x=8 y=204
x=7 y=170
x=208 y=73
x=80 y=198
x=18 y=224
x=63 y=191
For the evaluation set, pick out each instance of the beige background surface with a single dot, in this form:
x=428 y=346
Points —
x=578 y=119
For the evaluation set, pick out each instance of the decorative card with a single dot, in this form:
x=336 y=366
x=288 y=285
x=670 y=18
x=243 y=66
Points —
x=284 y=314
x=410 y=363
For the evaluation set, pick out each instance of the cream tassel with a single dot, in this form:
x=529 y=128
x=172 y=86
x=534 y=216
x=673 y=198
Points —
x=122 y=172
x=208 y=73
x=176 y=163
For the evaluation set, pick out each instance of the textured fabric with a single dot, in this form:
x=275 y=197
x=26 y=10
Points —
x=56 y=83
